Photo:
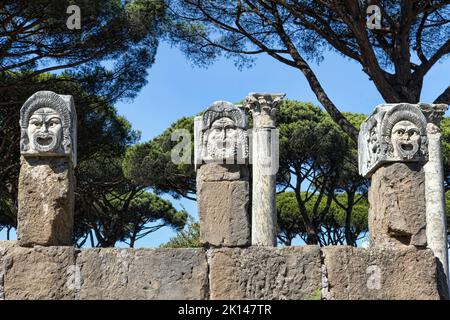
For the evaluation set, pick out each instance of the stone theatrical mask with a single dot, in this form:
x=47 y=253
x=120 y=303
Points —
x=220 y=134
x=405 y=138
x=392 y=133
x=48 y=126
x=222 y=139
x=45 y=131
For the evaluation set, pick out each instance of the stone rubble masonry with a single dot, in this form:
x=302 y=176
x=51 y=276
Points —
x=223 y=205
x=46 y=201
x=306 y=272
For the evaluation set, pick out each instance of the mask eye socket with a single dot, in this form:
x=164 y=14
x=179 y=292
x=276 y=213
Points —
x=54 y=122
x=36 y=122
x=413 y=133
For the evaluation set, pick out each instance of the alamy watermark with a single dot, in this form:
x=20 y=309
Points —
x=374 y=280
x=228 y=146
x=374 y=17
x=73 y=282
x=73 y=22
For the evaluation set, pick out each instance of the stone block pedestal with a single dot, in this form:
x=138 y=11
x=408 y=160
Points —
x=397 y=214
x=46 y=201
x=223 y=202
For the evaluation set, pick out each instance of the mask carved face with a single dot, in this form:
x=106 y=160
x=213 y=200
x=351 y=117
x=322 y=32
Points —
x=221 y=141
x=405 y=138
x=45 y=131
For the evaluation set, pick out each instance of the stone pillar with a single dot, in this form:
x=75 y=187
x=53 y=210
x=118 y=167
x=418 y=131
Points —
x=46 y=181
x=221 y=155
x=392 y=150
x=264 y=167
x=434 y=186
x=397 y=214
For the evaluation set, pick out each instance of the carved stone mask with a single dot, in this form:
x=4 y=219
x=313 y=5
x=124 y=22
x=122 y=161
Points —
x=222 y=138
x=48 y=126
x=220 y=135
x=405 y=138
x=45 y=131
x=392 y=133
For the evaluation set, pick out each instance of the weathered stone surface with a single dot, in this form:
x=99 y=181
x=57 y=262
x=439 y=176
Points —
x=226 y=273
x=223 y=205
x=220 y=135
x=37 y=273
x=223 y=210
x=265 y=273
x=220 y=172
x=46 y=200
x=397 y=213
x=143 y=274
x=5 y=246
x=392 y=133
x=434 y=185
x=264 y=108
x=265 y=153
x=378 y=273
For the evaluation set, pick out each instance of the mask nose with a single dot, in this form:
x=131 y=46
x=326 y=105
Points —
x=43 y=128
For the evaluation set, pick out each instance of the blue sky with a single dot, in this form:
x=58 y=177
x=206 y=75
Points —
x=175 y=89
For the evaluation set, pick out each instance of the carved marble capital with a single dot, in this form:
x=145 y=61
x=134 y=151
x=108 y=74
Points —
x=264 y=108
x=48 y=125
x=433 y=114
x=220 y=135
x=392 y=133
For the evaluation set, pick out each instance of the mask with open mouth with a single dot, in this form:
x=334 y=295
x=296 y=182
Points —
x=45 y=131
x=392 y=133
x=405 y=138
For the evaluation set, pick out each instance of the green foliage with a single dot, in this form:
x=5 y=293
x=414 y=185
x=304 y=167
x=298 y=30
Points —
x=125 y=33
x=301 y=126
x=151 y=163
x=445 y=128
x=396 y=56
x=359 y=214
x=318 y=162
x=317 y=295
x=189 y=238
x=291 y=223
x=115 y=209
x=287 y=209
